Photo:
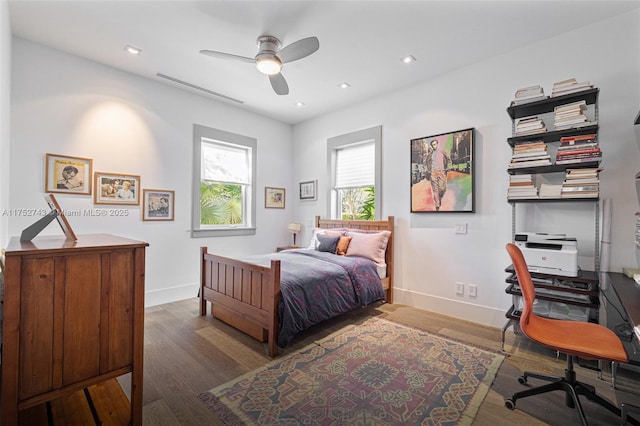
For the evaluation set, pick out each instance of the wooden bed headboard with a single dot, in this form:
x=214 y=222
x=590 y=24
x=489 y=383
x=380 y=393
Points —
x=368 y=225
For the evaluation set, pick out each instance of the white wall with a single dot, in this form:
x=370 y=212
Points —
x=5 y=97
x=63 y=104
x=430 y=257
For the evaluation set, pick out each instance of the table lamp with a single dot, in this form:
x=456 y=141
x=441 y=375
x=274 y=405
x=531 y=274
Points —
x=294 y=228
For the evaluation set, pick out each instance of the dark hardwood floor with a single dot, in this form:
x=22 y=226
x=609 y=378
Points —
x=186 y=354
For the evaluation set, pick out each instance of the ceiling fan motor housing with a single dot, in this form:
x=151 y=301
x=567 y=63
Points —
x=268 y=45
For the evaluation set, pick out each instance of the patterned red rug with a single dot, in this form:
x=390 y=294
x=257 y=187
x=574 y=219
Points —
x=377 y=372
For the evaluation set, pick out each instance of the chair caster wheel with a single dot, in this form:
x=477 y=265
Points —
x=522 y=380
x=510 y=404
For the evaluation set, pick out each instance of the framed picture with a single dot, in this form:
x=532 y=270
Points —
x=308 y=190
x=114 y=188
x=62 y=219
x=69 y=175
x=158 y=204
x=442 y=173
x=274 y=198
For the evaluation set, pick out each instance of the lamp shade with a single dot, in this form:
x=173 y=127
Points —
x=294 y=227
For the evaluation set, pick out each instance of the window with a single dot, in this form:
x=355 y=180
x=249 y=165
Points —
x=355 y=164
x=223 y=183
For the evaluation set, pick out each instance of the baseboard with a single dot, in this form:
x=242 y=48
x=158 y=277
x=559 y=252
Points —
x=454 y=308
x=172 y=294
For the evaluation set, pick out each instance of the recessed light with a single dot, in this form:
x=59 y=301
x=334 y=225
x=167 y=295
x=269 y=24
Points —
x=132 y=50
x=299 y=104
x=344 y=85
x=408 y=59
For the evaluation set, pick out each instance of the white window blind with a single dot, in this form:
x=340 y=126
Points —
x=355 y=166
x=225 y=163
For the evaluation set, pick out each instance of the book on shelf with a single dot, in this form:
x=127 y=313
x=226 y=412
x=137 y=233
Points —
x=572 y=106
x=577 y=125
x=548 y=190
x=568 y=86
x=573 y=172
x=533 y=163
x=579 y=188
x=571 y=148
x=527 y=95
x=593 y=150
x=581 y=194
x=587 y=159
x=530 y=155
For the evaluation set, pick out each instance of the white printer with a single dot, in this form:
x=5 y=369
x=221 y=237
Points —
x=553 y=254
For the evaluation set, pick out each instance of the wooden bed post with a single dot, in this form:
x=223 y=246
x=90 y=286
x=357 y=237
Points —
x=203 y=302
x=389 y=259
x=274 y=324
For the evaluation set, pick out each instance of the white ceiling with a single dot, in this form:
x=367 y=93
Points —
x=361 y=42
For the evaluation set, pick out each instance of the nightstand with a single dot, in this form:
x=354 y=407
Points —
x=286 y=248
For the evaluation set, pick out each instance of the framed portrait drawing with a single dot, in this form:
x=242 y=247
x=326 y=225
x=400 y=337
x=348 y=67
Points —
x=442 y=173
x=308 y=190
x=158 y=204
x=112 y=188
x=274 y=198
x=69 y=175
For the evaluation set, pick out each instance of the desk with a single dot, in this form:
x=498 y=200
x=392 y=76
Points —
x=621 y=303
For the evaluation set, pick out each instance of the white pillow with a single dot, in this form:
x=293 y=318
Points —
x=369 y=245
x=314 y=238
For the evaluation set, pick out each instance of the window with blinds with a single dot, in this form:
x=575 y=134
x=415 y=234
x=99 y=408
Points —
x=355 y=166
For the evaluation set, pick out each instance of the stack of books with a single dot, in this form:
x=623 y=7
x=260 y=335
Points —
x=570 y=115
x=528 y=94
x=521 y=187
x=550 y=190
x=581 y=183
x=578 y=149
x=530 y=125
x=530 y=154
x=568 y=86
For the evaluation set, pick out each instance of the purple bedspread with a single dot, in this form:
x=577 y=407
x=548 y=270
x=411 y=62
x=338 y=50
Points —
x=316 y=286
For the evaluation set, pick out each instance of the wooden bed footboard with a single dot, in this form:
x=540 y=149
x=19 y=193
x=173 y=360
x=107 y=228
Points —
x=242 y=294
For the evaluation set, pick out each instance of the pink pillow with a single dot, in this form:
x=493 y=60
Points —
x=369 y=245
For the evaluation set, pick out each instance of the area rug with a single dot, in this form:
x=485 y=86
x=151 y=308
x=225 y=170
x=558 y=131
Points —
x=377 y=372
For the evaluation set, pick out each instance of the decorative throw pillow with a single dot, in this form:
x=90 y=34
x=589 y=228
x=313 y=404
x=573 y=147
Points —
x=321 y=231
x=327 y=243
x=343 y=243
x=369 y=245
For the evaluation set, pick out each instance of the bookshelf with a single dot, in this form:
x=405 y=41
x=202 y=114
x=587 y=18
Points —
x=565 y=297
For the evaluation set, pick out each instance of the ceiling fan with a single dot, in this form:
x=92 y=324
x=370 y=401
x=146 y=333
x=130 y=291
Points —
x=271 y=58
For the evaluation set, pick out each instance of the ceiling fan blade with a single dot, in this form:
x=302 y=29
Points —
x=279 y=84
x=227 y=56
x=299 y=49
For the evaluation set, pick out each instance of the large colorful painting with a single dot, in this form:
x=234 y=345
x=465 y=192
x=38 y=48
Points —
x=442 y=173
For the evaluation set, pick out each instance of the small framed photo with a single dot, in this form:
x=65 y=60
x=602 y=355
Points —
x=112 y=188
x=68 y=175
x=308 y=190
x=158 y=204
x=274 y=198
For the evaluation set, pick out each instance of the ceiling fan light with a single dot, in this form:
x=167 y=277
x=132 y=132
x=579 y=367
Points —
x=269 y=65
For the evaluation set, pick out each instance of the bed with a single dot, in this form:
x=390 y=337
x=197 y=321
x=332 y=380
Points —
x=262 y=296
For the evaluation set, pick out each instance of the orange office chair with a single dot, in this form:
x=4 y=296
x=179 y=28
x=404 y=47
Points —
x=573 y=338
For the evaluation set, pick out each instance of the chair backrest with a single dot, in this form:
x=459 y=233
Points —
x=525 y=282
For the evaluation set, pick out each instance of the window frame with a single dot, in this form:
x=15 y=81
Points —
x=354 y=138
x=202 y=132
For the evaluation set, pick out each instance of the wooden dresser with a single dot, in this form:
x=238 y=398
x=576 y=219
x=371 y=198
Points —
x=73 y=317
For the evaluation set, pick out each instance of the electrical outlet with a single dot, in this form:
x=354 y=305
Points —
x=473 y=290
x=460 y=289
x=460 y=228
